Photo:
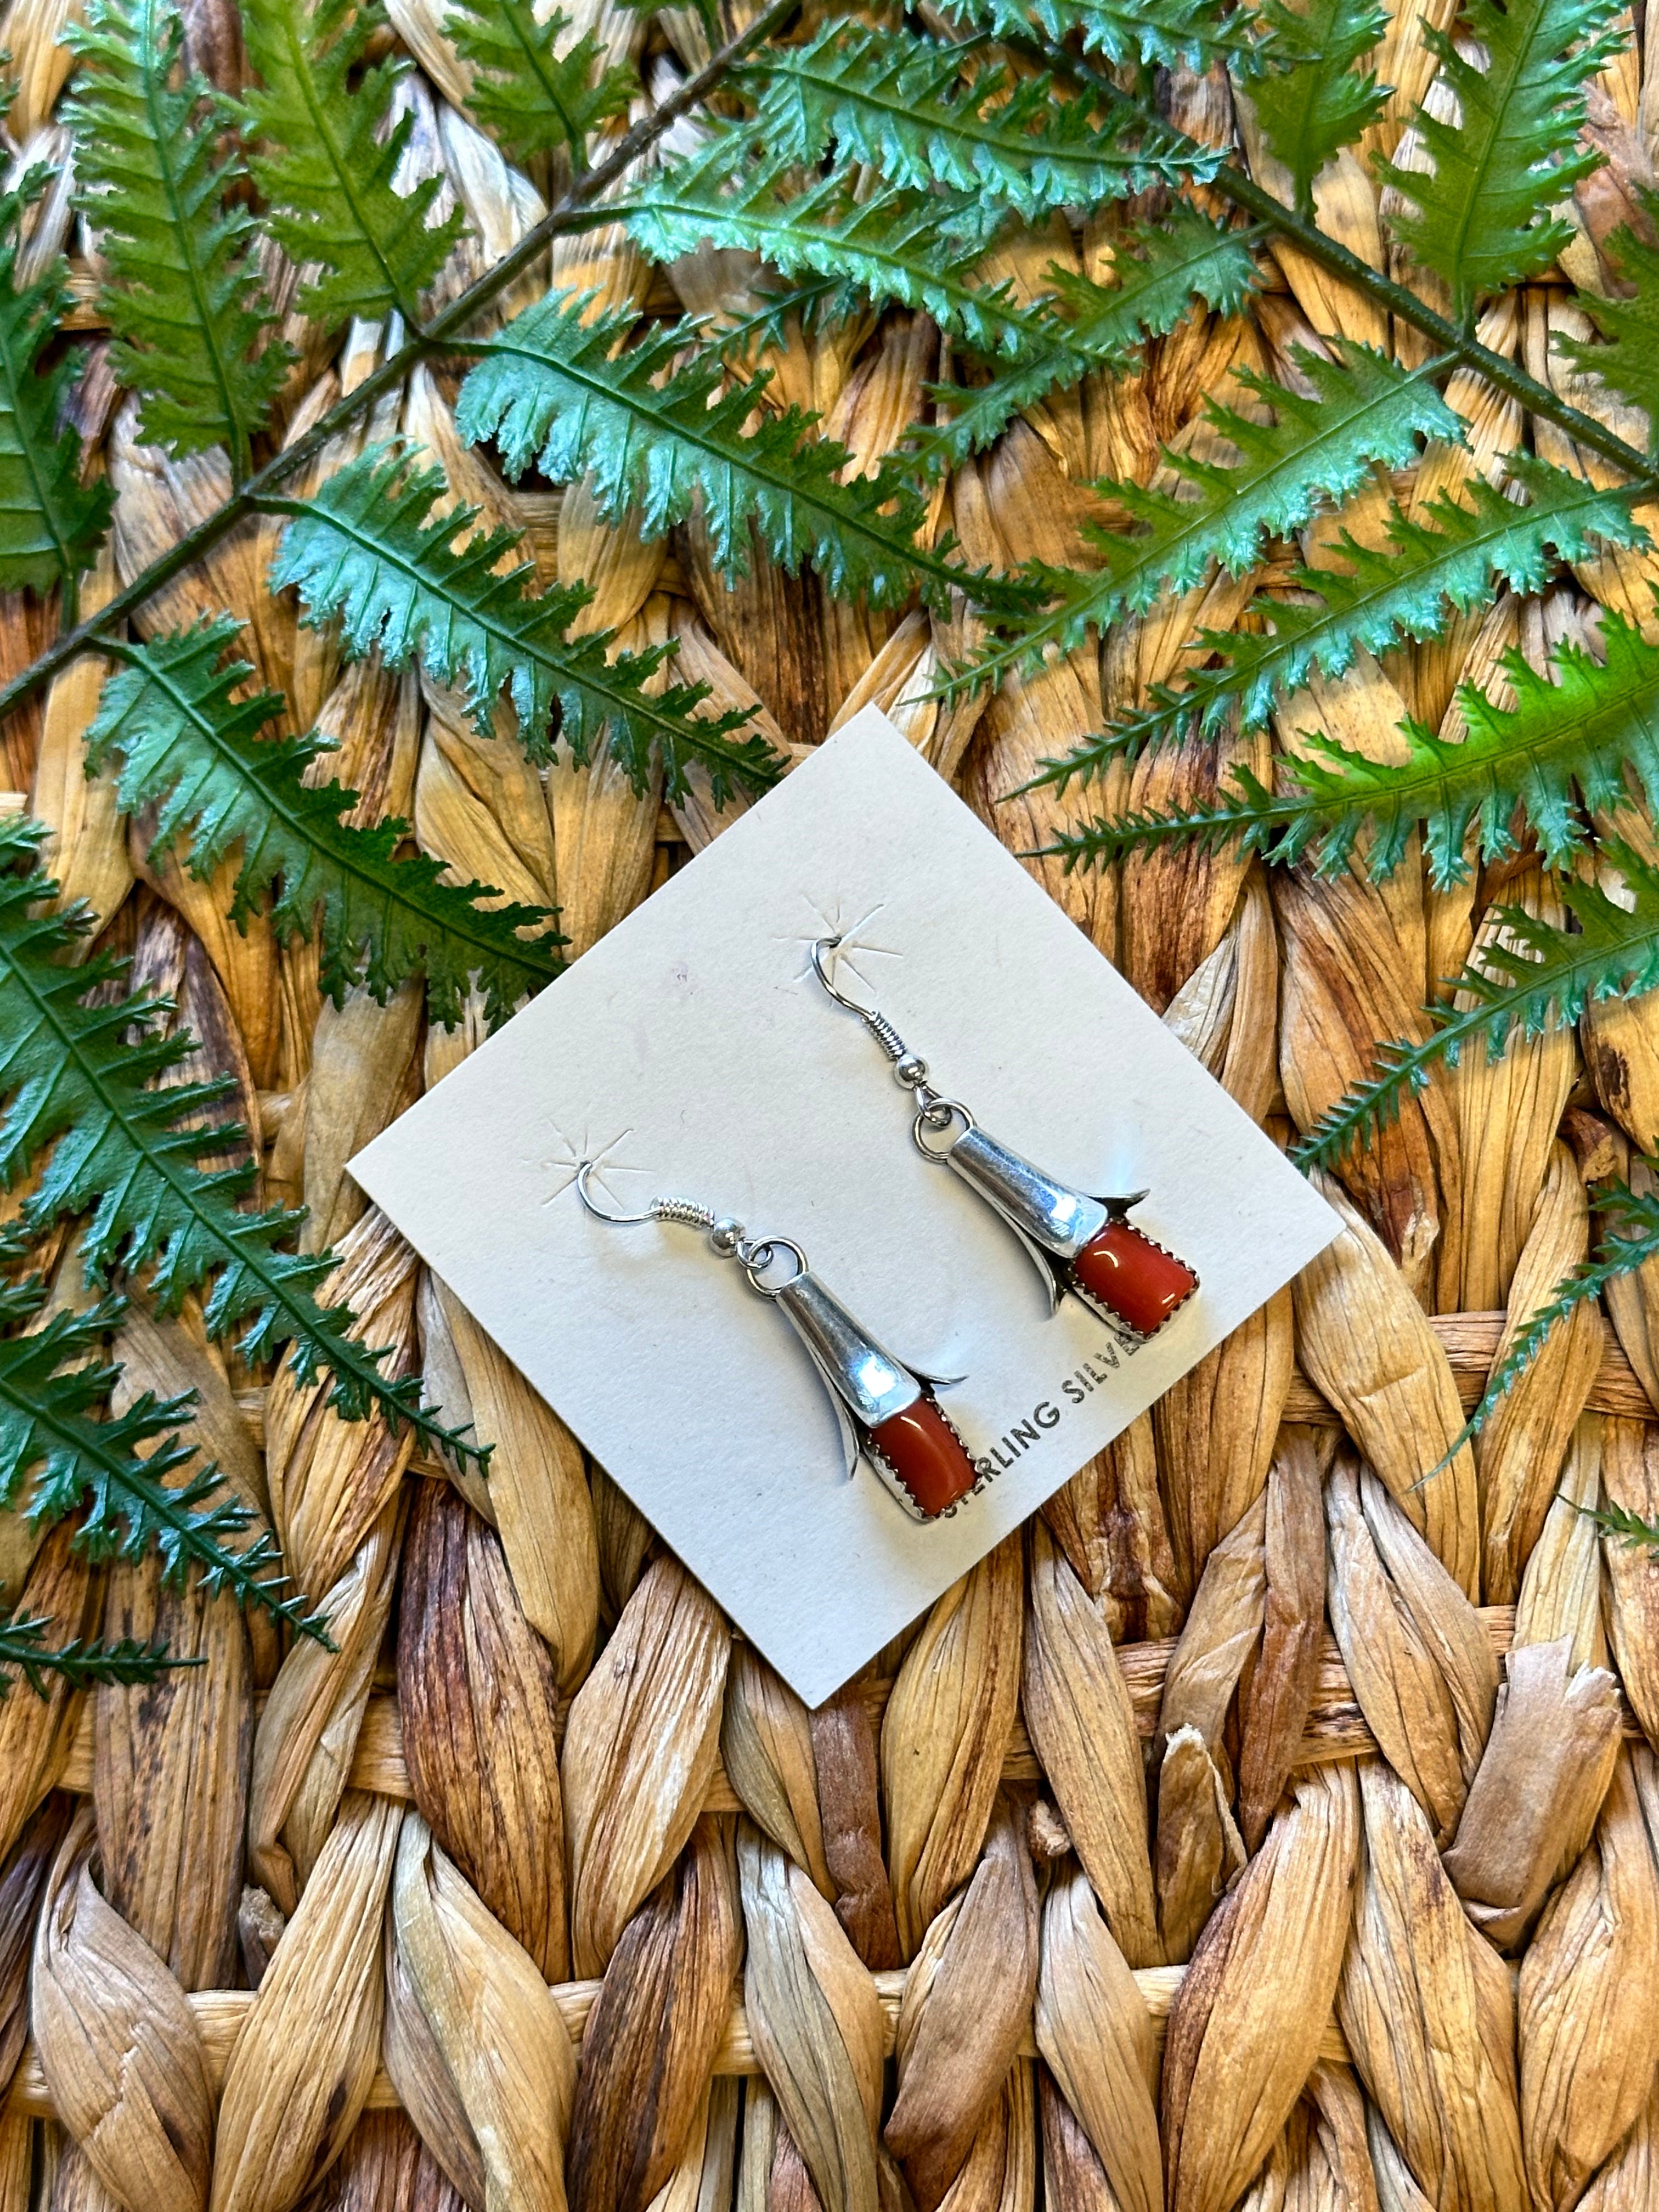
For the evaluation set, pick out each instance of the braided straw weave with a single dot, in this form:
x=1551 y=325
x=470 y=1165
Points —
x=1255 y=1828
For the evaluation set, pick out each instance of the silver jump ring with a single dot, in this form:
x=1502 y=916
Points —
x=940 y=1114
x=758 y=1258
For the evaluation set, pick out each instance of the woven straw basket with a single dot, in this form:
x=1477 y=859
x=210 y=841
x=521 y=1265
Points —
x=1254 y=1828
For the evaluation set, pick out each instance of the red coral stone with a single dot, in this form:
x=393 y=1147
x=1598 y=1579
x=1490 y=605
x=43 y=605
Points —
x=1138 y=1281
x=927 y=1455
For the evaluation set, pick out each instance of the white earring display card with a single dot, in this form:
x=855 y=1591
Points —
x=693 y=1055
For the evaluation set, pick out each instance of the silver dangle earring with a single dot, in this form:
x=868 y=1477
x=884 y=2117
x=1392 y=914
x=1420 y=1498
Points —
x=887 y=1411
x=1079 y=1244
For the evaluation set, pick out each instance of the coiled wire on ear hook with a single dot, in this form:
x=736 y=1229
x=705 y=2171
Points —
x=876 y=1023
x=728 y=1239
x=661 y=1209
x=934 y=1111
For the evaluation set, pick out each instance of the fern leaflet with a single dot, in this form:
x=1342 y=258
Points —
x=76 y=1085
x=1365 y=409
x=1310 y=101
x=1532 y=978
x=566 y=395
x=25 y=1650
x=1161 y=268
x=1481 y=219
x=924 y=112
x=1515 y=767
x=189 y=744
x=50 y=523
x=1624 y=1526
x=64 y=1449
x=533 y=98
x=894 y=247
x=326 y=168
x=1190 y=33
x=1629 y=362
x=1449 y=558
x=190 y=323
x=367 y=548
x=1629 y=1240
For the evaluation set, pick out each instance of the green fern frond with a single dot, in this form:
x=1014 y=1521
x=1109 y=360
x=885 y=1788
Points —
x=1563 y=749
x=1310 y=101
x=326 y=167
x=191 y=323
x=892 y=247
x=1161 y=268
x=77 y=1085
x=777 y=306
x=25 y=1650
x=65 y=1449
x=366 y=547
x=1628 y=362
x=924 y=112
x=1449 y=559
x=1628 y=1527
x=663 y=435
x=1189 y=33
x=1532 y=978
x=1481 y=220
x=923 y=250
x=50 y=523
x=532 y=97
x=1365 y=410
x=1629 y=1239
x=188 y=744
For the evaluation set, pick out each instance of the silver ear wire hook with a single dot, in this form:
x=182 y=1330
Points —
x=908 y=1067
x=616 y=1221
x=934 y=1111
x=831 y=945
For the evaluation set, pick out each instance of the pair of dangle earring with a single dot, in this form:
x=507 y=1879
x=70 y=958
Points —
x=887 y=1411
x=1078 y=1242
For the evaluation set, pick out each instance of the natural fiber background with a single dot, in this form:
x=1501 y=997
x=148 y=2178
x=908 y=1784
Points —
x=1261 y=1827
